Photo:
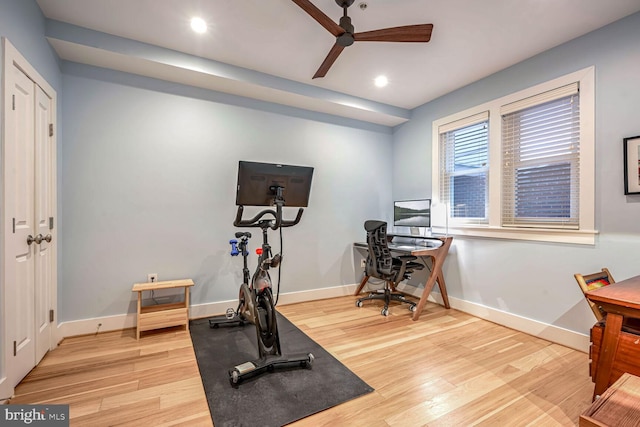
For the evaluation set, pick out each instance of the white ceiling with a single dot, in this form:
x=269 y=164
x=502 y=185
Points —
x=283 y=46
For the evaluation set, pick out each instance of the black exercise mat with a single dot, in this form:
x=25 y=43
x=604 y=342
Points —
x=273 y=398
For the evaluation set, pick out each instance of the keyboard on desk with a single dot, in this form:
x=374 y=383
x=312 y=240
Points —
x=405 y=247
x=401 y=247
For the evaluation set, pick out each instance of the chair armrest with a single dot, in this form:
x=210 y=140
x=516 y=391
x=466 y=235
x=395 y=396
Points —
x=402 y=268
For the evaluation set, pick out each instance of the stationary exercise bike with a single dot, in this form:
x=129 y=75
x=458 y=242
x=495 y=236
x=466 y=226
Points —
x=255 y=300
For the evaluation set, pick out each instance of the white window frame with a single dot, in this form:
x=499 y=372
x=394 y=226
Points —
x=585 y=234
x=476 y=119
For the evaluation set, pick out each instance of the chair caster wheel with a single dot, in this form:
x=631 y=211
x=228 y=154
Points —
x=385 y=312
x=358 y=303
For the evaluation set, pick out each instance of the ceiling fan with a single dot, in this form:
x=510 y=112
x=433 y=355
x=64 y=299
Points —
x=345 y=35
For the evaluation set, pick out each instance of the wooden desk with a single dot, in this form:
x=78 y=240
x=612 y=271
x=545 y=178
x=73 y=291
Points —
x=437 y=256
x=619 y=300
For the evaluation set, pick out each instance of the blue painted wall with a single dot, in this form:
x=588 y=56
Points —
x=535 y=280
x=22 y=22
x=149 y=175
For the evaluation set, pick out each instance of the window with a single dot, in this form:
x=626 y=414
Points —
x=464 y=145
x=541 y=160
x=521 y=166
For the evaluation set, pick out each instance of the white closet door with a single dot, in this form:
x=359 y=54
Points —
x=43 y=160
x=20 y=210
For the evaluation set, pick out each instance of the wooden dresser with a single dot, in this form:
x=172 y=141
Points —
x=615 y=349
x=619 y=406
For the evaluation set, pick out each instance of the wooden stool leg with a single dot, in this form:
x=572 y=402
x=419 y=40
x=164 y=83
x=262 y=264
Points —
x=138 y=316
x=186 y=303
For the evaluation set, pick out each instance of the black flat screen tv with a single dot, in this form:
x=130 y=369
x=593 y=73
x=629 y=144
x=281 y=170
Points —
x=260 y=183
x=412 y=213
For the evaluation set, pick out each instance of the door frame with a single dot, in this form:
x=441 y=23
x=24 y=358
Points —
x=12 y=57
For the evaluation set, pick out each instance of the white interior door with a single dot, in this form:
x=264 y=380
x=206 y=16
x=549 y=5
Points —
x=43 y=160
x=28 y=240
x=20 y=210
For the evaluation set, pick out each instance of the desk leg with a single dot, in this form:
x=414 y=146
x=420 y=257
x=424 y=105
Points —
x=362 y=283
x=436 y=273
x=428 y=287
x=443 y=289
x=608 y=349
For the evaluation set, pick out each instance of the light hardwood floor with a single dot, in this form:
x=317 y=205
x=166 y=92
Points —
x=446 y=369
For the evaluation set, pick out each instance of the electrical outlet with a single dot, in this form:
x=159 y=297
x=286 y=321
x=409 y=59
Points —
x=363 y=263
x=152 y=277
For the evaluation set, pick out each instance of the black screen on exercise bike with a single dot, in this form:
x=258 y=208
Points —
x=257 y=184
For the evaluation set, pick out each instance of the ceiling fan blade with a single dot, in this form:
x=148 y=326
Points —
x=335 y=51
x=319 y=16
x=408 y=33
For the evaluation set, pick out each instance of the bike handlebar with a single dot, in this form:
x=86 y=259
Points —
x=277 y=218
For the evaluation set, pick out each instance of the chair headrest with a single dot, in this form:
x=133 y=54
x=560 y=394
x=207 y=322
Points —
x=372 y=224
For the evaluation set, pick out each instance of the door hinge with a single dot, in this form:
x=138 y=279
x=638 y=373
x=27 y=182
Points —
x=50 y=129
x=15 y=348
x=14 y=226
x=51 y=315
x=50 y=223
x=13 y=102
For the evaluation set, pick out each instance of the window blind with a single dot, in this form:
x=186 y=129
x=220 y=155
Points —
x=541 y=160
x=464 y=165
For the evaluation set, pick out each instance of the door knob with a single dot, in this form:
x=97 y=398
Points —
x=47 y=238
x=38 y=239
x=30 y=239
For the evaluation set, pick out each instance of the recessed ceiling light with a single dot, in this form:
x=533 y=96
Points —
x=198 y=25
x=381 y=81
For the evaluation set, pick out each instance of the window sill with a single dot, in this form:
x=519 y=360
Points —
x=579 y=237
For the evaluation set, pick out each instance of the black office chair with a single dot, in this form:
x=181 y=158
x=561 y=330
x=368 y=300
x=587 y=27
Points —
x=380 y=264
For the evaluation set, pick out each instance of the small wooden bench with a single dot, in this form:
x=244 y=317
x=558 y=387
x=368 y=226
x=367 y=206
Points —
x=162 y=315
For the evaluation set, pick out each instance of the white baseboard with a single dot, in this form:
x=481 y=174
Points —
x=216 y=308
x=558 y=335
x=538 y=329
x=95 y=325
x=123 y=321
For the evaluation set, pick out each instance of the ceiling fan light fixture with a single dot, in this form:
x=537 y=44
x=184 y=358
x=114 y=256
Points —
x=198 y=25
x=381 y=81
x=345 y=32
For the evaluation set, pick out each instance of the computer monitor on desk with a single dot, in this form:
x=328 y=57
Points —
x=415 y=214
